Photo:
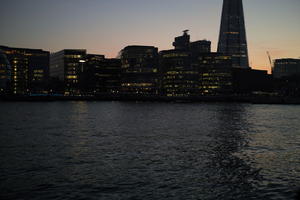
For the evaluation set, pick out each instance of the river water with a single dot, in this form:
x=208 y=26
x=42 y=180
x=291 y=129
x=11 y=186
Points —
x=119 y=150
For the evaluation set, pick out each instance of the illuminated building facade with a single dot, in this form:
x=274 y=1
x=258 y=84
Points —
x=232 y=38
x=68 y=66
x=5 y=74
x=286 y=67
x=29 y=69
x=102 y=75
x=192 y=70
x=179 y=77
x=215 y=73
x=139 y=71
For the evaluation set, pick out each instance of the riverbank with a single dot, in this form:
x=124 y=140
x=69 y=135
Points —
x=255 y=99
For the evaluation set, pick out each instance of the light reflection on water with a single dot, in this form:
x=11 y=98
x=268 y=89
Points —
x=113 y=150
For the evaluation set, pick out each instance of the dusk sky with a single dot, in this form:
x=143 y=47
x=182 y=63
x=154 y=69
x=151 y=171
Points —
x=107 y=26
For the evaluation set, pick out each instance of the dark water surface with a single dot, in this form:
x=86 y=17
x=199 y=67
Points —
x=114 y=150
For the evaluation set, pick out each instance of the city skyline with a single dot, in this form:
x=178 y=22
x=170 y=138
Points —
x=107 y=27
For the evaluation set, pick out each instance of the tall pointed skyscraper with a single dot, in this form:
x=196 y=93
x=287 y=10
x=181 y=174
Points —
x=232 y=38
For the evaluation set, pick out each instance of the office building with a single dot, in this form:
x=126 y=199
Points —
x=192 y=70
x=139 y=71
x=5 y=74
x=201 y=46
x=232 y=38
x=29 y=69
x=68 y=66
x=247 y=81
x=182 y=42
x=89 y=80
x=102 y=76
x=286 y=67
x=215 y=74
x=178 y=77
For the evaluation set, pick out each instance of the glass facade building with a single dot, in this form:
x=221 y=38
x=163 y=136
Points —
x=194 y=71
x=286 y=67
x=68 y=66
x=201 y=46
x=102 y=75
x=179 y=78
x=5 y=74
x=232 y=37
x=29 y=69
x=139 y=71
x=215 y=73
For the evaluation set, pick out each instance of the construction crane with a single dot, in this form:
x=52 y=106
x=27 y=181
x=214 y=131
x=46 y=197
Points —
x=270 y=59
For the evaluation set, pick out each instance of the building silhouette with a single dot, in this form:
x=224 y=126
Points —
x=200 y=46
x=247 y=81
x=286 y=74
x=139 y=71
x=192 y=70
x=189 y=71
x=67 y=66
x=5 y=74
x=89 y=76
x=102 y=76
x=215 y=74
x=179 y=77
x=180 y=69
x=286 y=67
x=182 y=42
x=29 y=69
x=232 y=37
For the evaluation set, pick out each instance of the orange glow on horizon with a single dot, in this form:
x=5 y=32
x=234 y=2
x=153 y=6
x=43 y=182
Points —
x=258 y=58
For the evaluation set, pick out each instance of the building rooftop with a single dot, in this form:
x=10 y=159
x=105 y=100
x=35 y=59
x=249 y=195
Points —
x=19 y=49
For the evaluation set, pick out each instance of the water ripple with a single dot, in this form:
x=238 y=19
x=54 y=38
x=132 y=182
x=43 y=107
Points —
x=113 y=150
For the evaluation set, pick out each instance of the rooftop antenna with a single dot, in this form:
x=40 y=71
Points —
x=185 y=32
